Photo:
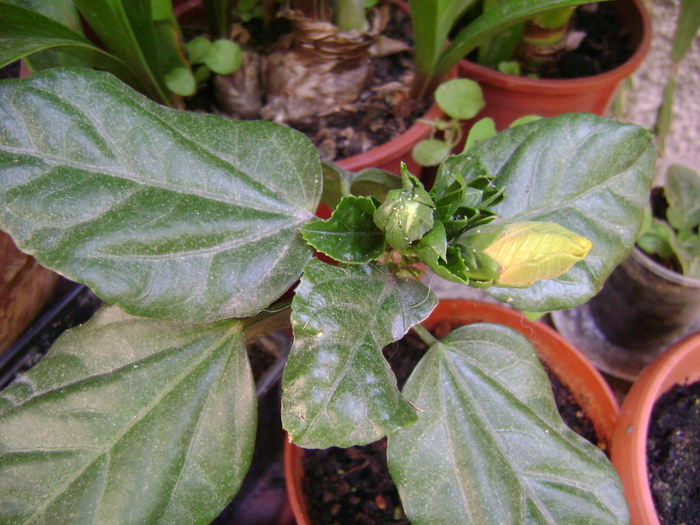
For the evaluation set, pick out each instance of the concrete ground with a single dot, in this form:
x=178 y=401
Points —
x=644 y=97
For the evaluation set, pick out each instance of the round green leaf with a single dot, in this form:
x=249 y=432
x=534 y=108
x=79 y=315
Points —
x=181 y=81
x=197 y=49
x=460 y=98
x=223 y=57
x=431 y=152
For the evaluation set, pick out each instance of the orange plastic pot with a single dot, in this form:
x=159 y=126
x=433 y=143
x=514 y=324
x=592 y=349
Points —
x=509 y=97
x=573 y=369
x=677 y=365
x=25 y=288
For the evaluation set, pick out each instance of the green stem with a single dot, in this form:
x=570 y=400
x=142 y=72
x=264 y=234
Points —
x=422 y=332
x=350 y=14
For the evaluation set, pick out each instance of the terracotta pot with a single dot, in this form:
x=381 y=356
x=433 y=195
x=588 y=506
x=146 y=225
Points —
x=677 y=365
x=25 y=288
x=585 y=383
x=509 y=97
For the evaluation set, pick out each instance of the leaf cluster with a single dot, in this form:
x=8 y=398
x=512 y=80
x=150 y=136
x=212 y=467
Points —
x=196 y=227
x=677 y=236
x=415 y=226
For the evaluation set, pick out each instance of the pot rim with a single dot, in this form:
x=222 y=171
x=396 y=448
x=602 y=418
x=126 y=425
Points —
x=661 y=271
x=677 y=365
x=567 y=86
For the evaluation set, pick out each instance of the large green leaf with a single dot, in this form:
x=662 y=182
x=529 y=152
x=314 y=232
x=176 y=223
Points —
x=24 y=32
x=338 y=388
x=588 y=174
x=489 y=446
x=170 y=214
x=129 y=420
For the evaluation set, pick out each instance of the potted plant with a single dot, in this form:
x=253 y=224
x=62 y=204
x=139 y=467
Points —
x=653 y=298
x=511 y=96
x=194 y=227
x=678 y=365
x=341 y=38
x=587 y=387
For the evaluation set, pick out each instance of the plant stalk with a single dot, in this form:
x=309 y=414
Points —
x=424 y=334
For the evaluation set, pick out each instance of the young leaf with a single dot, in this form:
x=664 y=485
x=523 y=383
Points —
x=482 y=129
x=460 y=98
x=129 y=420
x=430 y=152
x=196 y=49
x=682 y=190
x=223 y=56
x=350 y=235
x=489 y=446
x=338 y=388
x=169 y=214
x=594 y=178
x=181 y=81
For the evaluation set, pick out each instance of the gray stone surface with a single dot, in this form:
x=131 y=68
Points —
x=648 y=82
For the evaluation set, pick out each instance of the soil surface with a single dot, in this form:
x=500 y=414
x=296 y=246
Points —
x=381 y=114
x=353 y=486
x=673 y=455
x=602 y=49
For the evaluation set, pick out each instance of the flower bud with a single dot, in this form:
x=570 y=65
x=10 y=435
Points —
x=533 y=251
x=407 y=214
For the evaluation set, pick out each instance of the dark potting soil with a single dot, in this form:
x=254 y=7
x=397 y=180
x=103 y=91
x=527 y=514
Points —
x=10 y=70
x=602 y=49
x=353 y=485
x=377 y=117
x=673 y=455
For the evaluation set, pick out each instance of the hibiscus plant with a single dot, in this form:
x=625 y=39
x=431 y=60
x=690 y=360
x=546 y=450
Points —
x=194 y=228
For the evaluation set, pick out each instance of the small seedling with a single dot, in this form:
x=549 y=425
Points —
x=678 y=234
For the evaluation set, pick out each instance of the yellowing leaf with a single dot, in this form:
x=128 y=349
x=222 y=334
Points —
x=533 y=251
